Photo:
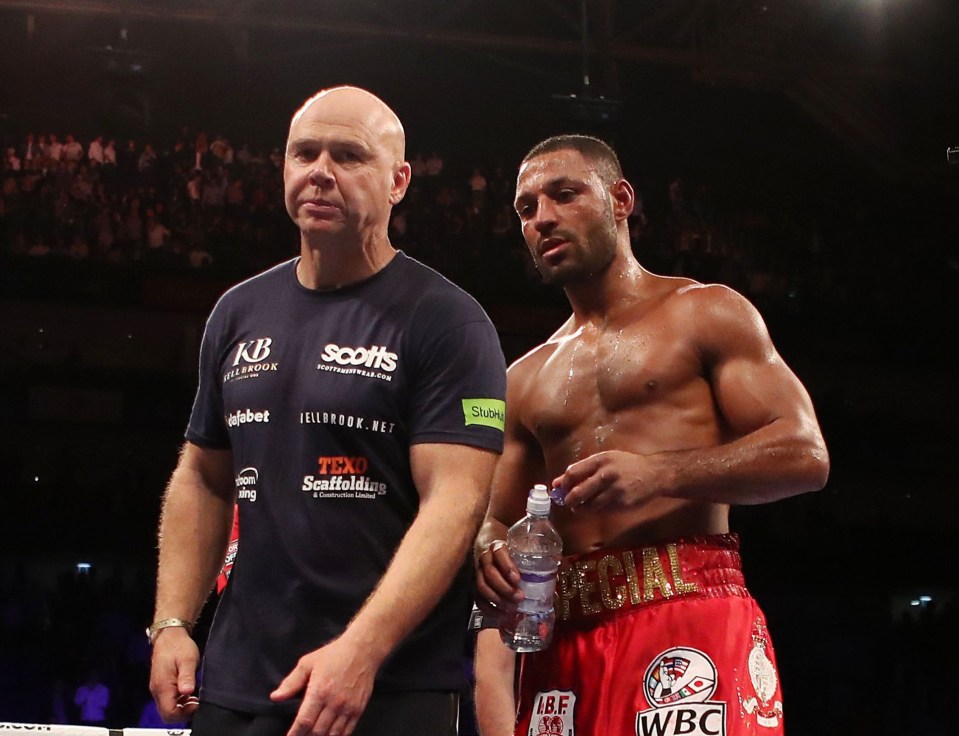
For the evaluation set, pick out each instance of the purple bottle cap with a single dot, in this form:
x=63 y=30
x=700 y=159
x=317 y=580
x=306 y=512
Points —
x=558 y=495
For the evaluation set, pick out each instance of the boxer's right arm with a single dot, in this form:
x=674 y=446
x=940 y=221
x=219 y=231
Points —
x=519 y=468
x=194 y=529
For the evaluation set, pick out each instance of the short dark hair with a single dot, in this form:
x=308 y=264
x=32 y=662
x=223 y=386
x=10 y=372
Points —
x=595 y=150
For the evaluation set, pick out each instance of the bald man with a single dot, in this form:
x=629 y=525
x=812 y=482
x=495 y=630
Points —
x=351 y=403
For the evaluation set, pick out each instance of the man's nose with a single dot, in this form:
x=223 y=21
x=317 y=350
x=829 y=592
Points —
x=321 y=172
x=545 y=217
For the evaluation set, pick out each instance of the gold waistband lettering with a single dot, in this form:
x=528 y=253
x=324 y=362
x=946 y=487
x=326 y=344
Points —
x=587 y=587
x=619 y=583
x=566 y=591
x=632 y=578
x=611 y=599
x=681 y=585
x=654 y=576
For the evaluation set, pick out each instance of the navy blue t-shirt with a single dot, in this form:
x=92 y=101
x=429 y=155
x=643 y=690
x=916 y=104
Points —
x=319 y=395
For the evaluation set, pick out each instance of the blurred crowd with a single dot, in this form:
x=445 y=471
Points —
x=197 y=202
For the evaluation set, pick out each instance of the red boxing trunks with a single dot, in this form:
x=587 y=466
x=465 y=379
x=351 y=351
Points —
x=654 y=641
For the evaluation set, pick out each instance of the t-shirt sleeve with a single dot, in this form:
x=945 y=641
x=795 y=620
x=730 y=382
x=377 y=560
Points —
x=207 y=428
x=459 y=393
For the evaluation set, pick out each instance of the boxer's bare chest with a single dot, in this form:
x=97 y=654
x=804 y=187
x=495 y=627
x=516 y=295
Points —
x=603 y=385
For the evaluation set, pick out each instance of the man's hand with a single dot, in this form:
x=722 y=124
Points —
x=608 y=480
x=336 y=681
x=497 y=579
x=173 y=674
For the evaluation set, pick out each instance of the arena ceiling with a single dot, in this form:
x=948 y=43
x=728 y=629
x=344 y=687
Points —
x=877 y=74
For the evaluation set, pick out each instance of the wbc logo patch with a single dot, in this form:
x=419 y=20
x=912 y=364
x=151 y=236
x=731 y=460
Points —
x=678 y=684
x=553 y=714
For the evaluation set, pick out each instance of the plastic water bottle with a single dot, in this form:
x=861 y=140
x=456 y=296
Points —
x=535 y=546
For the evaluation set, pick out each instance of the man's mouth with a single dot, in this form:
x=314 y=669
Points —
x=551 y=246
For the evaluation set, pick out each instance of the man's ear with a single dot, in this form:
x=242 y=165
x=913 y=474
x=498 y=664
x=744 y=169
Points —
x=401 y=182
x=623 y=199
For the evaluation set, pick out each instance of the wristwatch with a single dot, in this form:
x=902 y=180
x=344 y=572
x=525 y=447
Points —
x=165 y=623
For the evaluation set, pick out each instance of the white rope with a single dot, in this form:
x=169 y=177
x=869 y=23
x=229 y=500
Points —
x=21 y=729
x=54 y=730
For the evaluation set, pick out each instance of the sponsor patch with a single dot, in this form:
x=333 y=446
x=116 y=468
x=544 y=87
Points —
x=374 y=361
x=246 y=482
x=341 y=476
x=553 y=713
x=678 y=684
x=764 y=681
x=487 y=412
x=351 y=421
x=251 y=360
x=247 y=416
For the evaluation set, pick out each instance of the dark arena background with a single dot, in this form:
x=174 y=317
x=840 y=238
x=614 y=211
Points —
x=796 y=151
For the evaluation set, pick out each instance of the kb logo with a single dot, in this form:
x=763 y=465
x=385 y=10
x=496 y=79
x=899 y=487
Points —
x=254 y=351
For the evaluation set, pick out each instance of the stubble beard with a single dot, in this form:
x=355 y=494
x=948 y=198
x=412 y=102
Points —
x=585 y=261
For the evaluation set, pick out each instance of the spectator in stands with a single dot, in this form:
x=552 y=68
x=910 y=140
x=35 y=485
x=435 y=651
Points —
x=11 y=162
x=417 y=166
x=54 y=149
x=110 y=153
x=95 y=151
x=434 y=165
x=72 y=150
x=30 y=151
x=92 y=698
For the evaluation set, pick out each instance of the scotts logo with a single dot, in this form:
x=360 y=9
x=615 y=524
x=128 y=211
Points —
x=377 y=357
x=246 y=481
x=678 y=684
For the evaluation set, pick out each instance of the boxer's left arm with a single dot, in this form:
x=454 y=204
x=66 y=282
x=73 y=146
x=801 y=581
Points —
x=337 y=679
x=774 y=447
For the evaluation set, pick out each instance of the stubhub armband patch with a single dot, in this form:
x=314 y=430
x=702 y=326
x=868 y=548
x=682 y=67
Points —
x=488 y=412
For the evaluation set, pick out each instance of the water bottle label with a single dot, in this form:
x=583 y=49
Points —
x=538 y=591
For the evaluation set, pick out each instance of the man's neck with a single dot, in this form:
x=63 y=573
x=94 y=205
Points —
x=327 y=265
x=600 y=298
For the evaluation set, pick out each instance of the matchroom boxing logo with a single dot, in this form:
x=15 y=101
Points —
x=678 y=684
x=245 y=482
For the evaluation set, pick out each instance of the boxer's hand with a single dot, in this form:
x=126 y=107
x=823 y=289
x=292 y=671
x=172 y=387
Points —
x=608 y=480
x=336 y=681
x=497 y=579
x=173 y=674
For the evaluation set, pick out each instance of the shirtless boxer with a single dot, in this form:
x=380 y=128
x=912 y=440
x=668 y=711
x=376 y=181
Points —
x=658 y=404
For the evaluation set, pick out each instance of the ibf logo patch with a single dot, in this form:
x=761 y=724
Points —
x=678 y=684
x=553 y=713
